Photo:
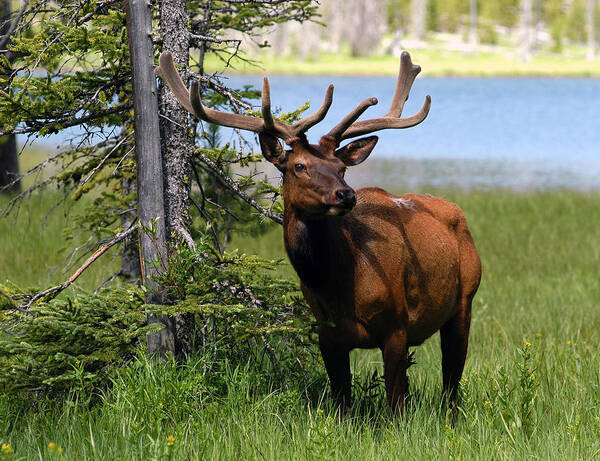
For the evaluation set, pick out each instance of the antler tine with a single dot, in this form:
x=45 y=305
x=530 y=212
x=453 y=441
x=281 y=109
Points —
x=271 y=125
x=192 y=102
x=266 y=105
x=406 y=76
x=349 y=119
x=302 y=125
x=242 y=122
x=391 y=120
x=384 y=123
x=166 y=70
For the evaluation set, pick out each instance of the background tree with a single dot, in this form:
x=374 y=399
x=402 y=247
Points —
x=473 y=39
x=526 y=28
x=370 y=19
x=418 y=16
x=576 y=30
x=9 y=162
x=590 y=22
x=353 y=27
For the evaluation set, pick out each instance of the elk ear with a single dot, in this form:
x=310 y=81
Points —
x=272 y=150
x=356 y=151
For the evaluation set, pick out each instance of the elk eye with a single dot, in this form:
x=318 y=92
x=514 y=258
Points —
x=300 y=167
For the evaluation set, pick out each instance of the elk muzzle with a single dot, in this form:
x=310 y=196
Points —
x=345 y=199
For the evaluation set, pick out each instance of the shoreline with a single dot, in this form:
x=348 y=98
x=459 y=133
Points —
x=434 y=64
x=584 y=76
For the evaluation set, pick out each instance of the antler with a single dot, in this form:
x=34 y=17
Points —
x=192 y=102
x=408 y=72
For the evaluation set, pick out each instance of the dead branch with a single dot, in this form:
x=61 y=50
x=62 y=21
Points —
x=6 y=37
x=206 y=38
x=54 y=291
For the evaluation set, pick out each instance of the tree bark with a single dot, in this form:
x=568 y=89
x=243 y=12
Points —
x=370 y=19
x=418 y=14
x=526 y=21
x=473 y=39
x=9 y=165
x=590 y=23
x=9 y=161
x=598 y=23
x=151 y=209
x=131 y=270
x=177 y=146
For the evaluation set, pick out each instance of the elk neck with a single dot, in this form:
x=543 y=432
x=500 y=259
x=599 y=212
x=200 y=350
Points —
x=315 y=248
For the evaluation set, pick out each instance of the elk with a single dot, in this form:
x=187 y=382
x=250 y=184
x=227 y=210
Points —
x=377 y=270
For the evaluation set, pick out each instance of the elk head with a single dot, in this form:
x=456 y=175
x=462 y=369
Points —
x=313 y=174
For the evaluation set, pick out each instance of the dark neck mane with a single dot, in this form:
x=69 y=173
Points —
x=309 y=246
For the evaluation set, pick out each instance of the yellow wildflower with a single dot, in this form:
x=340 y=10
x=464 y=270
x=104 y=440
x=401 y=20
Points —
x=6 y=449
x=569 y=342
x=538 y=334
x=52 y=446
x=320 y=411
x=170 y=440
x=527 y=344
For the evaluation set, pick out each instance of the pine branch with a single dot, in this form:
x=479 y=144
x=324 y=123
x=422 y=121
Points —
x=66 y=123
x=224 y=177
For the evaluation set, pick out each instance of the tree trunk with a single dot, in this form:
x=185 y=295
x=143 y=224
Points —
x=9 y=162
x=418 y=14
x=526 y=29
x=598 y=18
x=366 y=21
x=336 y=13
x=151 y=209
x=131 y=271
x=473 y=39
x=177 y=145
x=590 y=25
x=9 y=165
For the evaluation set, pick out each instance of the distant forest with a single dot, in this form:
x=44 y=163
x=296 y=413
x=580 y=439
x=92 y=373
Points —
x=363 y=28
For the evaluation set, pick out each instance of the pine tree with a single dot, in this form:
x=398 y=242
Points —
x=72 y=68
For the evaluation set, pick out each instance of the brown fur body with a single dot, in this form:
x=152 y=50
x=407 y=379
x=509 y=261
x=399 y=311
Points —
x=389 y=274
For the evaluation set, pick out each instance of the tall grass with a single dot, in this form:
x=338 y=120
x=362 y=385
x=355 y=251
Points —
x=531 y=387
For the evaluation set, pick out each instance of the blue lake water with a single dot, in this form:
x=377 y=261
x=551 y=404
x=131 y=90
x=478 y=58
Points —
x=525 y=133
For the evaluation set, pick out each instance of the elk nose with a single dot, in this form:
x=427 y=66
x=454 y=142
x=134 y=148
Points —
x=346 y=197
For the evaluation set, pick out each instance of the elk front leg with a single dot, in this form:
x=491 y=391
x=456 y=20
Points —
x=454 y=341
x=395 y=363
x=337 y=364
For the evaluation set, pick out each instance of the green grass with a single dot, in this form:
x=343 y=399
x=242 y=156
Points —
x=33 y=247
x=533 y=348
x=434 y=62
